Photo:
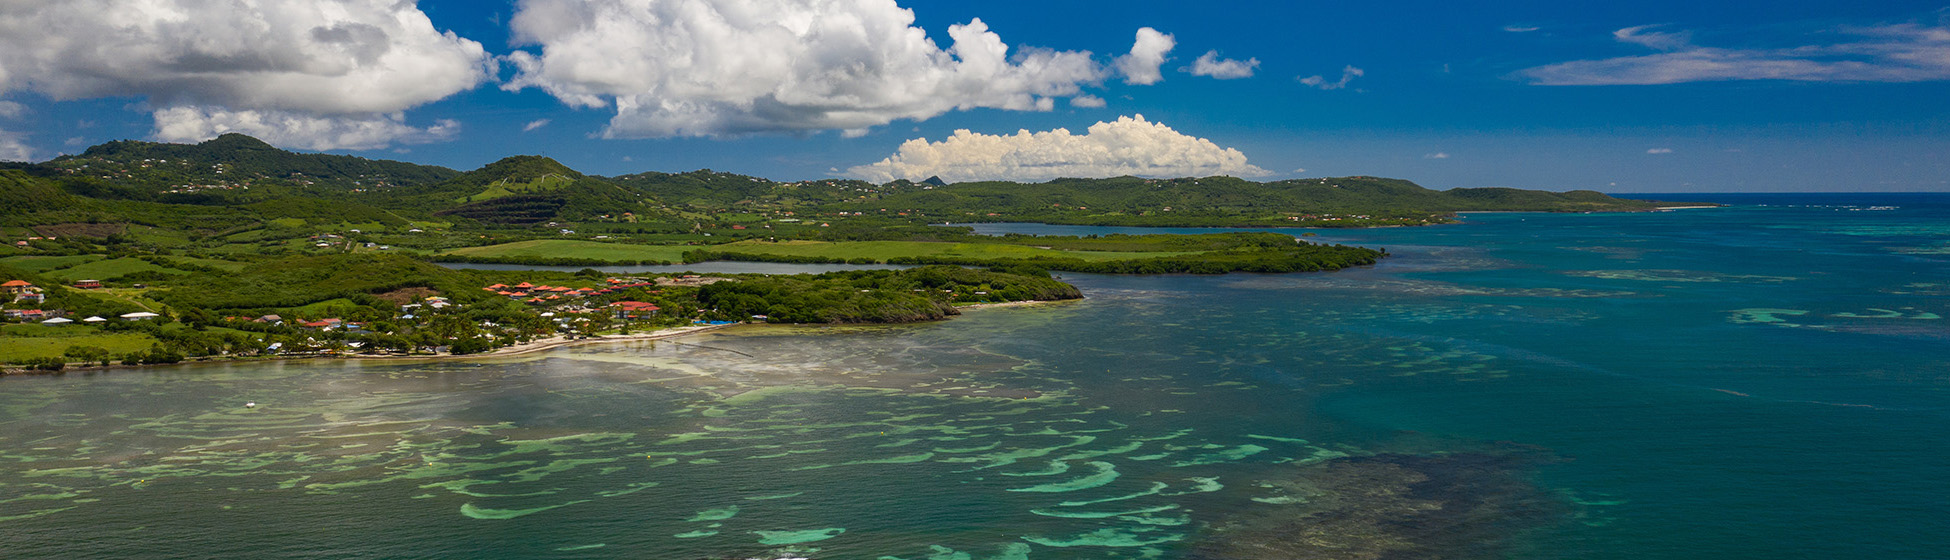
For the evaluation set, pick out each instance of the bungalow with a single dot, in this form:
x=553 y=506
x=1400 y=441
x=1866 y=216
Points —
x=138 y=316
x=31 y=297
x=271 y=319
x=88 y=284
x=324 y=324
x=16 y=287
x=633 y=309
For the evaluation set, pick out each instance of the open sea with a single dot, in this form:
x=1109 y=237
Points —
x=1769 y=380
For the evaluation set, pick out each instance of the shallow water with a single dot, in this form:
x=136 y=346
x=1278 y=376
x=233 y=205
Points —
x=1749 y=382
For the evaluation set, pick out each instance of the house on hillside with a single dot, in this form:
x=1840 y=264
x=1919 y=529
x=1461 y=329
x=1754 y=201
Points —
x=29 y=314
x=88 y=284
x=269 y=319
x=16 y=287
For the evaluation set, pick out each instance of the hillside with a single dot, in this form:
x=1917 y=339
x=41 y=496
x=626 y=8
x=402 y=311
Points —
x=236 y=160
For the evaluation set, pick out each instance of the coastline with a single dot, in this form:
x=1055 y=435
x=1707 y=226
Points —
x=1023 y=303
x=530 y=347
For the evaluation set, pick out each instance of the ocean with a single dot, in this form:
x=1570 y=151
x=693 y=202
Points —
x=1765 y=380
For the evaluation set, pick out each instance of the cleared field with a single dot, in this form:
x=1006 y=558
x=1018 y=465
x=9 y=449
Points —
x=569 y=248
x=103 y=270
x=17 y=348
x=883 y=250
x=39 y=264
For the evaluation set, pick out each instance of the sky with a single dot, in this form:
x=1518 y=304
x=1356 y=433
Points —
x=1651 y=96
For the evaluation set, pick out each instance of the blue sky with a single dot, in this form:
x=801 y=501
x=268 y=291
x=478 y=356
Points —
x=1620 y=97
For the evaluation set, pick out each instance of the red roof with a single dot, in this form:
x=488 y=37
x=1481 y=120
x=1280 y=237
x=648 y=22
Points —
x=524 y=285
x=16 y=283
x=497 y=286
x=635 y=306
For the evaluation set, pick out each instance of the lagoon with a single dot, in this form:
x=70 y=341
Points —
x=1759 y=381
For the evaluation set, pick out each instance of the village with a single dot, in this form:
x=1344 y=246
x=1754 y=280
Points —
x=423 y=324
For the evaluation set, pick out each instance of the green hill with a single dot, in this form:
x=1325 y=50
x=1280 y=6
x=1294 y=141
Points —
x=237 y=160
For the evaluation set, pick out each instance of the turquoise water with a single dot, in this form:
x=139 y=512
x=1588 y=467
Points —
x=1762 y=381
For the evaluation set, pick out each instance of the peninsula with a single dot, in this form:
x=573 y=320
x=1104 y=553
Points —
x=139 y=252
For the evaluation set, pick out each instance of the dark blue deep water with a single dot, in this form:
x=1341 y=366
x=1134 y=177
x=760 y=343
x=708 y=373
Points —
x=1765 y=380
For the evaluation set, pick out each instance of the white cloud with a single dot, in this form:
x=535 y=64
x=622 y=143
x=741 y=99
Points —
x=1437 y=155
x=1209 y=64
x=13 y=147
x=1127 y=146
x=10 y=109
x=727 y=67
x=534 y=124
x=341 y=59
x=1514 y=28
x=1659 y=151
x=1348 y=74
x=296 y=129
x=1886 y=53
x=1148 y=52
x=1088 y=102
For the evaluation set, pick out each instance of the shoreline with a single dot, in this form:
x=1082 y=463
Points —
x=530 y=347
x=1024 y=303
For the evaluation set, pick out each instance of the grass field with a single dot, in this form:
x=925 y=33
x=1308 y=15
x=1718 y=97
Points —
x=559 y=248
x=37 y=264
x=883 y=250
x=104 y=270
x=213 y=263
x=50 y=341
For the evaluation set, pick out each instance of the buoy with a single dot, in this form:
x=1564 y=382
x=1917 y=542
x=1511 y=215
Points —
x=252 y=404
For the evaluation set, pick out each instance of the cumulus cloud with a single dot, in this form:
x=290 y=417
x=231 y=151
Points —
x=727 y=67
x=296 y=129
x=346 y=59
x=1209 y=64
x=1437 y=155
x=1659 y=151
x=1126 y=146
x=1348 y=74
x=534 y=124
x=1087 y=102
x=1907 y=52
x=13 y=147
x=1140 y=67
x=10 y=109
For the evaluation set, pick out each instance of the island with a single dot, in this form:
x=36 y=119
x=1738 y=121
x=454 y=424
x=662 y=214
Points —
x=146 y=253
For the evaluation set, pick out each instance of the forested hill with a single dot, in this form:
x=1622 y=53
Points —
x=1223 y=200
x=236 y=159
x=236 y=177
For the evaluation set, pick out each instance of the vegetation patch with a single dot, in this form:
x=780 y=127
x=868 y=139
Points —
x=109 y=269
x=574 y=249
x=887 y=250
x=96 y=231
x=39 y=264
x=16 y=349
